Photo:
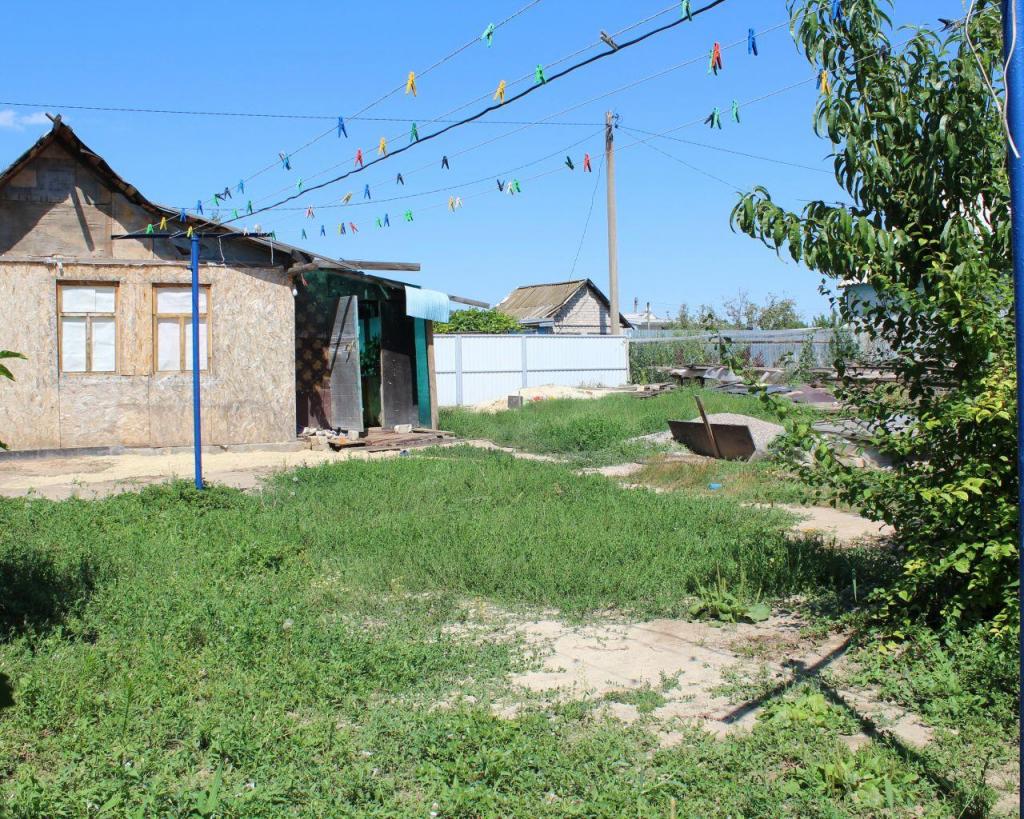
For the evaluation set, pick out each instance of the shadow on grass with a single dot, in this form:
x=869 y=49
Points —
x=6 y=692
x=39 y=589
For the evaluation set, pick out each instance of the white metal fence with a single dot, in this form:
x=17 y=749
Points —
x=472 y=369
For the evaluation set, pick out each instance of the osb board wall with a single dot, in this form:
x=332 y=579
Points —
x=59 y=206
x=248 y=395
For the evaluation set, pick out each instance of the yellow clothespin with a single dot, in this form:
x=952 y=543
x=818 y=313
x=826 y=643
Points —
x=188 y=232
x=382 y=148
x=163 y=223
x=826 y=86
x=346 y=198
x=451 y=203
x=410 y=84
x=500 y=93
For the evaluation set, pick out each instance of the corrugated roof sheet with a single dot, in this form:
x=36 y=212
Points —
x=537 y=301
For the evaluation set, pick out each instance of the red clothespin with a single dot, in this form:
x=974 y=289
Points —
x=586 y=164
x=359 y=157
x=352 y=227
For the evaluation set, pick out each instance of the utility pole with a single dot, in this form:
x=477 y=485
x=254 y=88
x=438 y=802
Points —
x=1013 y=44
x=613 y=237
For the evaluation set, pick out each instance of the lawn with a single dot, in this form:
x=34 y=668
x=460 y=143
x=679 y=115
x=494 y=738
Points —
x=595 y=432
x=290 y=652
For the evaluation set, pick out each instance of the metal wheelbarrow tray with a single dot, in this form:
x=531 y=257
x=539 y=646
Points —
x=734 y=440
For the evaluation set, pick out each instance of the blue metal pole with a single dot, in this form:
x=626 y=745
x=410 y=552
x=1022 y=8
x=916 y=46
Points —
x=1013 y=39
x=197 y=434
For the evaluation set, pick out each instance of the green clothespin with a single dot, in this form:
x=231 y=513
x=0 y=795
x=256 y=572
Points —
x=408 y=216
x=248 y=207
x=234 y=213
x=684 y=10
x=414 y=134
x=149 y=229
x=735 y=110
x=515 y=186
x=488 y=35
x=538 y=75
x=379 y=223
x=298 y=185
x=714 y=119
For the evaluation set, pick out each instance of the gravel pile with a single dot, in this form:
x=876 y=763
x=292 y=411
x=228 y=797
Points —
x=763 y=432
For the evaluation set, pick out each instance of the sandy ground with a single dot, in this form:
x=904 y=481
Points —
x=544 y=393
x=92 y=476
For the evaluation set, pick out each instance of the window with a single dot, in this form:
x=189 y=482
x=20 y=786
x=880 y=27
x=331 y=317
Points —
x=172 y=322
x=87 y=329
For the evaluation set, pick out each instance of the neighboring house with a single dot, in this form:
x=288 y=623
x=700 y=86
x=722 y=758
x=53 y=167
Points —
x=573 y=307
x=643 y=320
x=288 y=338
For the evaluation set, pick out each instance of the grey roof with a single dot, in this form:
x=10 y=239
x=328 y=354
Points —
x=536 y=302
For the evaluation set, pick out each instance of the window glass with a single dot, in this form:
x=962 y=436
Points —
x=73 y=337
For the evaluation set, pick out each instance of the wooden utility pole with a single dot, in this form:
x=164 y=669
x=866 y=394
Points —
x=613 y=238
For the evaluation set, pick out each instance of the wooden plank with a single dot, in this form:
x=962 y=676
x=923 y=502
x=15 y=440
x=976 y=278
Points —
x=707 y=426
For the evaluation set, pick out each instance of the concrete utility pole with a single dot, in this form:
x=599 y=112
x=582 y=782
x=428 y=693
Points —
x=613 y=237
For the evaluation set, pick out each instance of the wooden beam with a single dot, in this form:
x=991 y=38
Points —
x=361 y=264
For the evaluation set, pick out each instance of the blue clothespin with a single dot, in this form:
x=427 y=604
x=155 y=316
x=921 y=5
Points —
x=501 y=185
x=181 y=215
x=341 y=128
x=387 y=222
x=304 y=233
x=323 y=230
x=286 y=161
x=751 y=42
x=444 y=162
x=199 y=206
x=366 y=193
x=399 y=180
x=488 y=35
x=341 y=228
x=241 y=186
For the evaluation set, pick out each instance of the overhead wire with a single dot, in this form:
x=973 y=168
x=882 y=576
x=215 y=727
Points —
x=590 y=212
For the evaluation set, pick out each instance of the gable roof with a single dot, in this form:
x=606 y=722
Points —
x=535 y=302
x=62 y=135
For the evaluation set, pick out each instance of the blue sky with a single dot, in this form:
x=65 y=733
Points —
x=330 y=59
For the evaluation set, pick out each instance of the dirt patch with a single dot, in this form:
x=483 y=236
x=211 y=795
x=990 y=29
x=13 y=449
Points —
x=842 y=528
x=544 y=393
x=716 y=677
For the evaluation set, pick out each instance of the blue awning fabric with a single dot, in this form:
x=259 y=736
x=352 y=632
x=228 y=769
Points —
x=427 y=304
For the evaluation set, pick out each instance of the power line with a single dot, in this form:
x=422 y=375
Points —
x=563 y=73
x=590 y=212
x=729 y=185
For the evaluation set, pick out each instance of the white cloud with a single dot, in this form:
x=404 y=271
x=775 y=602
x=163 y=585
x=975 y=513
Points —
x=13 y=121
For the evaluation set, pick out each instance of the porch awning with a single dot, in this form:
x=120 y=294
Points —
x=427 y=304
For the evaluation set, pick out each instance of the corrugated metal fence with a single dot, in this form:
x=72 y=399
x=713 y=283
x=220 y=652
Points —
x=472 y=369
x=767 y=348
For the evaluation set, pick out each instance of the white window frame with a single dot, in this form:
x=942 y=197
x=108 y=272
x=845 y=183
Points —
x=88 y=316
x=185 y=366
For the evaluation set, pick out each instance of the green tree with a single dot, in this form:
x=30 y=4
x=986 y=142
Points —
x=478 y=321
x=6 y=373
x=918 y=146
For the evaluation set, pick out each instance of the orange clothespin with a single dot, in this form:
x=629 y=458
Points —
x=716 y=59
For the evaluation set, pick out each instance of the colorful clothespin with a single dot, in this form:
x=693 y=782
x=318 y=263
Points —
x=685 y=11
x=515 y=186
x=736 y=110
x=488 y=35
x=323 y=230
x=181 y=215
x=149 y=229
x=538 y=75
x=586 y=164
x=189 y=232
x=715 y=64
x=451 y=204
x=501 y=185
x=341 y=128
x=298 y=185
x=273 y=233
x=199 y=206
x=286 y=161
x=227 y=193
x=366 y=192
x=444 y=162
x=346 y=198
x=234 y=213
x=399 y=180
x=714 y=119
x=568 y=163
x=458 y=202
x=826 y=85
x=408 y=216
x=240 y=187
x=359 y=157
x=751 y=42
x=309 y=212
x=414 y=133
x=248 y=206
x=352 y=227
x=304 y=234
x=410 y=83
x=382 y=147
x=387 y=222
x=380 y=223
x=341 y=228
x=216 y=199
x=499 y=95
x=163 y=223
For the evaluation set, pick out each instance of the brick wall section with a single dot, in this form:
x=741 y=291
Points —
x=584 y=313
